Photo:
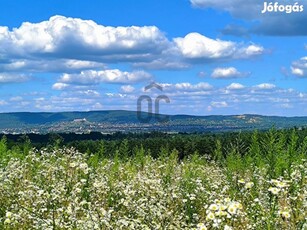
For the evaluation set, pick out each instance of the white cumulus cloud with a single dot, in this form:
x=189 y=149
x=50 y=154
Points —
x=219 y=104
x=92 y=77
x=235 y=86
x=198 y=46
x=127 y=88
x=265 y=86
x=229 y=72
x=12 y=77
x=71 y=37
x=299 y=68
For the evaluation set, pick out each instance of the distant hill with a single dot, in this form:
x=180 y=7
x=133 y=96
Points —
x=127 y=121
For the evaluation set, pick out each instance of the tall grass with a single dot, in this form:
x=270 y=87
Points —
x=260 y=185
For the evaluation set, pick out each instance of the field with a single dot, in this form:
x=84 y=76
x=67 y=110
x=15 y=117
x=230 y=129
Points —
x=262 y=185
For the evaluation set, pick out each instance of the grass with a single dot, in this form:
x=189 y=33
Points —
x=264 y=188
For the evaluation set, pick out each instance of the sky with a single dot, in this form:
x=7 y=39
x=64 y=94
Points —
x=209 y=56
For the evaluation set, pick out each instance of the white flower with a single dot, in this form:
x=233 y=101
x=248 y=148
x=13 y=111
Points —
x=256 y=200
x=7 y=221
x=249 y=185
x=201 y=226
x=281 y=184
x=8 y=215
x=232 y=209
x=274 y=190
x=210 y=216
x=285 y=214
x=213 y=207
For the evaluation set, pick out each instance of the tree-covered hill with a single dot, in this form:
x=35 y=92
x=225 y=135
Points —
x=127 y=121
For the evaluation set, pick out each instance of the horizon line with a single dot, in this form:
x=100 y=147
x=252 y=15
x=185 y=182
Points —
x=193 y=115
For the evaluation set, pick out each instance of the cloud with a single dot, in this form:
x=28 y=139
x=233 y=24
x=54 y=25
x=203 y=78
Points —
x=230 y=72
x=93 y=77
x=235 y=86
x=127 y=88
x=299 y=68
x=268 y=24
x=187 y=87
x=195 y=98
x=168 y=63
x=292 y=24
x=197 y=46
x=265 y=86
x=70 y=45
x=60 y=86
x=73 y=37
x=17 y=98
x=219 y=104
x=246 y=9
x=64 y=43
x=3 y=102
x=13 y=78
x=47 y=65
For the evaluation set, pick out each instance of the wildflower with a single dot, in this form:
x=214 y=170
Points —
x=274 y=190
x=285 y=214
x=201 y=226
x=241 y=181
x=281 y=184
x=8 y=215
x=213 y=207
x=256 y=200
x=274 y=181
x=226 y=227
x=238 y=205
x=7 y=221
x=210 y=216
x=97 y=184
x=232 y=209
x=217 y=201
x=222 y=207
x=249 y=185
x=83 y=166
x=216 y=223
x=221 y=213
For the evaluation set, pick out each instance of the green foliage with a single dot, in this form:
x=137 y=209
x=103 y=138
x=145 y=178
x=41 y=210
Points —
x=124 y=149
x=218 y=152
x=3 y=147
x=255 y=180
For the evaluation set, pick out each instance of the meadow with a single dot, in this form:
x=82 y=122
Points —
x=259 y=184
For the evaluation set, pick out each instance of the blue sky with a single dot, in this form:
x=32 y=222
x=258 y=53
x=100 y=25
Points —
x=210 y=57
